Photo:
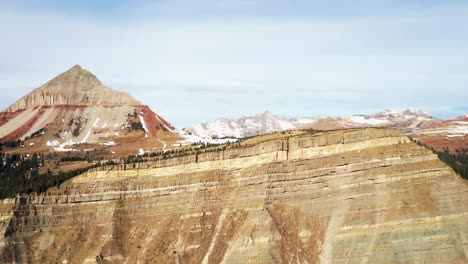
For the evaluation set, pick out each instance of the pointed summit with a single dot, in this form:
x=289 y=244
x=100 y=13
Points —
x=265 y=113
x=76 y=67
x=77 y=87
x=76 y=79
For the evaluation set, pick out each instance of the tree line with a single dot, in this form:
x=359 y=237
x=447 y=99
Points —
x=458 y=161
x=20 y=174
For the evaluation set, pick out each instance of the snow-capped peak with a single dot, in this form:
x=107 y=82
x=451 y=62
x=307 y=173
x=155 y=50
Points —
x=266 y=122
x=415 y=112
x=264 y=114
x=387 y=112
x=410 y=113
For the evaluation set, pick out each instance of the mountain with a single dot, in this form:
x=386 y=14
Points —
x=75 y=108
x=75 y=87
x=350 y=196
x=247 y=126
x=408 y=120
x=452 y=134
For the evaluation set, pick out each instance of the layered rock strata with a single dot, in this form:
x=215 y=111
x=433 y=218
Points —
x=353 y=196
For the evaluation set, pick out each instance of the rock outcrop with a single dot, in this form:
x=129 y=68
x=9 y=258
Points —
x=352 y=196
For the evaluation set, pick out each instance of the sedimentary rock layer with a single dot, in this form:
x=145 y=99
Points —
x=354 y=196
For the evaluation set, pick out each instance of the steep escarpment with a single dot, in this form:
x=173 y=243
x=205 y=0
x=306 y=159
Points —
x=353 y=196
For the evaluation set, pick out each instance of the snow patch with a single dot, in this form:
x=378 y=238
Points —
x=96 y=122
x=52 y=143
x=303 y=121
x=369 y=121
x=62 y=148
x=450 y=136
x=141 y=151
x=86 y=136
x=144 y=126
x=192 y=138
x=108 y=143
x=164 y=144
x=422 y=118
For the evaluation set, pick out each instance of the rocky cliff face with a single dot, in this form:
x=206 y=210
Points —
x=353 y=196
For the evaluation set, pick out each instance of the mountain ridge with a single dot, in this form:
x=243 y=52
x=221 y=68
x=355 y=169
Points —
x=266 y=122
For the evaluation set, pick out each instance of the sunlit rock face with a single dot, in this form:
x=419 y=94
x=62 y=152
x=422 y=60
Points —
x=351 y=196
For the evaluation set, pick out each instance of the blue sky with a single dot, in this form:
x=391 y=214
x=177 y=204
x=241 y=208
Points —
x=196 y=60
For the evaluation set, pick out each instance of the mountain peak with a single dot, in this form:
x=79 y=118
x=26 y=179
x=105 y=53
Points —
x=414 y=111
x=410 y=112
x=265 y=114
x=76 y=86
x=77 y=70
x=76 y=67
x=75 y=79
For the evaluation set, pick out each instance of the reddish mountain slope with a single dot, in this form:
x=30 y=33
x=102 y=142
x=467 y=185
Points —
x=452 y=134
x=75 y=108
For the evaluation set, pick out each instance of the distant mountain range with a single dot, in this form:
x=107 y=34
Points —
x=411 y=121
x=246 y=126
x=266 y=122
